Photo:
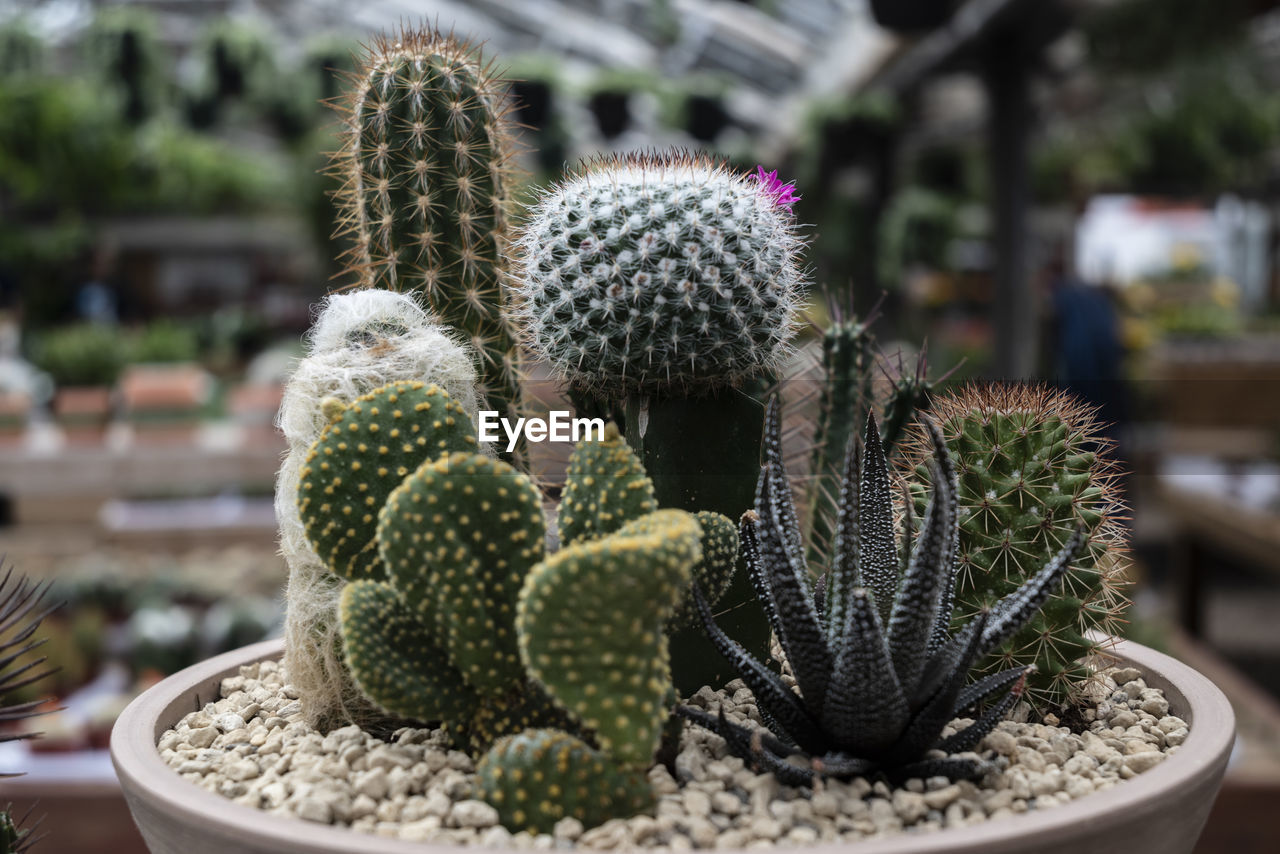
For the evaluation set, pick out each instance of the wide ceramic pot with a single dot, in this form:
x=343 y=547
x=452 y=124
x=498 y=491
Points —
x=1162 y=810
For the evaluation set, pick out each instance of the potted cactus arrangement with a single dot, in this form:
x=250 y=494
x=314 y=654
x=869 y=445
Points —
x=681 y=647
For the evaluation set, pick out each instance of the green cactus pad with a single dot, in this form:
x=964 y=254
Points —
x=526 y=707
x=605 y=488
x=458 y=537
x=395 y=662
x=591 y=627
x=365 y=451
x=714 y=572
x=541 y=776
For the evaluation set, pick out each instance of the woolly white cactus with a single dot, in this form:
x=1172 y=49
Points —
x=361 y=340
x=653 y=273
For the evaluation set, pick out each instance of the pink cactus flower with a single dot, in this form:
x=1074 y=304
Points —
x=784 y=194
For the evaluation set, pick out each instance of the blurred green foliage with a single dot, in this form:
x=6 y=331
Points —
x=1152 y=35
x=84 y=354
x=114 y=131
x=1205 y=128
x=164 y=341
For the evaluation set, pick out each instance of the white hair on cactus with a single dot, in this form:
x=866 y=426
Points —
x=361 y=340
x=659 y=272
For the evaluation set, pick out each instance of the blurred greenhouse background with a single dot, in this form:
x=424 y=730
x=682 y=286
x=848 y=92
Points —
x=1085 y=192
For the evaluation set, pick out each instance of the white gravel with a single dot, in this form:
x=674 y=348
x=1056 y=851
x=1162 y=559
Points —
x=253 y=747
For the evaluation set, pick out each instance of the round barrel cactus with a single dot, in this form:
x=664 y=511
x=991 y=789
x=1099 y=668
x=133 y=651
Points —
x=650 y=273
x=1032 y=467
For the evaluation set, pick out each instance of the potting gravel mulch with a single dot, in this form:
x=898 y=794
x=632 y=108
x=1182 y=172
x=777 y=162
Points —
x=253 y=747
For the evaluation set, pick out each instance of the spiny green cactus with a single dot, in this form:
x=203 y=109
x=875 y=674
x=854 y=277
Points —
x=847 y=398
x=848 y=365
x=713 y=573
x=1032 y=467
x=425 y=165
x=591 y=627
x=364 y=453
x=648 y=274
x=436 y=640
x=664 y=287
x=538 y=777
x=460 y=619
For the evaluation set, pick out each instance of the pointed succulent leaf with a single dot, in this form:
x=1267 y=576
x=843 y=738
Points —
x=781 y=488
x=951 y=767
x=802 y=635
x=395 y=661
x=877 y=550
x=844 y=577
x=768 y=740
x=968 y=738
x=364 y=453
x=938 y=710
x=590 y=624
x=749 y=746
x=843 y=765
x=771 y=695
x=605 y=488
x=979 y=690
x=749 y=544
x=942 y=664
x=457 y=538
x=865 y=704
x=915 y=612
x=1013 y=611
x=541 y=776
x=942 y=623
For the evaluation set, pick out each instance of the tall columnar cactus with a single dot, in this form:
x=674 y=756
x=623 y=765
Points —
x=1032 y=467
x=425 y=164
x=665 y=286
x=848 y=365
x=848 y=395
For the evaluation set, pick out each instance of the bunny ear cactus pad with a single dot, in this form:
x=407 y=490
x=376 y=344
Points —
x=541 y=776
x=426 y=169
x=1031 y=469
x=591 y=620
x=364 y=453
x=395 y=660
x=457 y=538
x=605 y=487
